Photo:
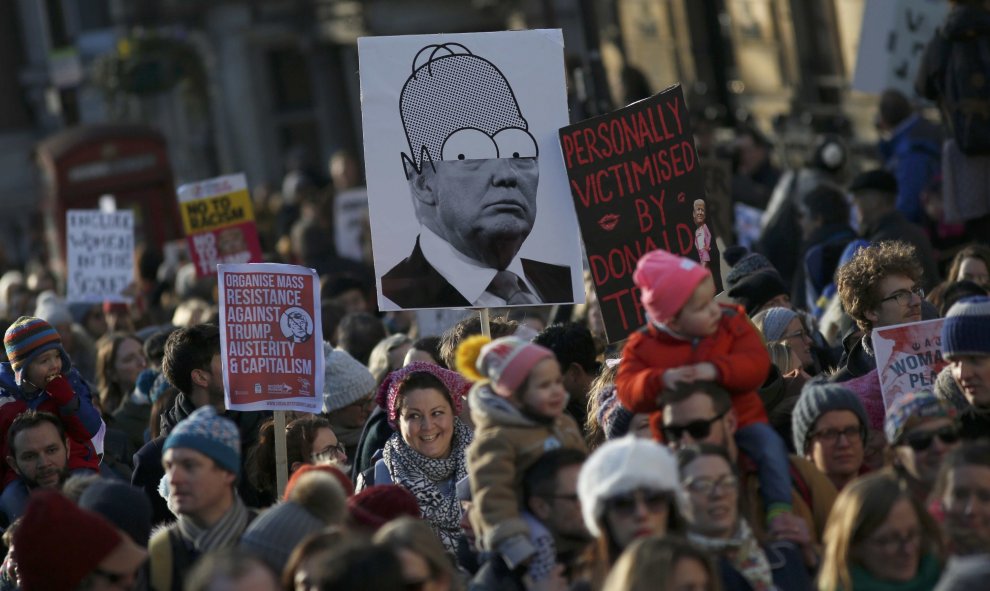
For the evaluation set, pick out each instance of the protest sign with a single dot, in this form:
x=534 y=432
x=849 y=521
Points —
x=219 y=223
x=99 y=255
x=466 y=189
x=637 y=186
x=909 y=357
x=271 y=337
x=892 y=41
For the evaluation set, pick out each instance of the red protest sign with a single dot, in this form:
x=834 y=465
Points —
x=271 y=337
x=637 y=186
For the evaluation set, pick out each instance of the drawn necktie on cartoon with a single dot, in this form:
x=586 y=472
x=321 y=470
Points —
x=510 y=288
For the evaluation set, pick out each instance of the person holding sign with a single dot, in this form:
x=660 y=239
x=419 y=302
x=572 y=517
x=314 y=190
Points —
x=473 y=174
x=691 y=338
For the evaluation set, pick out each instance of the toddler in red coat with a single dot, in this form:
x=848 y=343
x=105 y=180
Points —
x=689 y=337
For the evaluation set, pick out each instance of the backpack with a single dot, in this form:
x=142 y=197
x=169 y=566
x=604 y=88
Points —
x=966 y=91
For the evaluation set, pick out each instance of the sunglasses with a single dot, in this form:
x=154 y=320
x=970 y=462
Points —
x=922 y=441
x=698 y=430
x=625 y=505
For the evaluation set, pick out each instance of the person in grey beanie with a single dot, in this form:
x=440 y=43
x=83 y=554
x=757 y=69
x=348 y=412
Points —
x=829 y=427
x=348 y=396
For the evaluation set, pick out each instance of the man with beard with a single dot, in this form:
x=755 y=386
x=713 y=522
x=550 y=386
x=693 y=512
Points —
x=39 y=455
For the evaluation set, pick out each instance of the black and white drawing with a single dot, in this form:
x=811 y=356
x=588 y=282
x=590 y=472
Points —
x=471 y=168
x=296 y=325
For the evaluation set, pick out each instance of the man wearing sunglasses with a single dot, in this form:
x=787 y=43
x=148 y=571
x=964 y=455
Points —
x=701 y=412
x=921 y=430
x=966 y=345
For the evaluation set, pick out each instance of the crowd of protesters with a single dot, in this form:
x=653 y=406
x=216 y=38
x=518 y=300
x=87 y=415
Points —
x=738 y=440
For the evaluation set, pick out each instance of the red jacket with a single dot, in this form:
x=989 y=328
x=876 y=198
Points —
x=736 y=350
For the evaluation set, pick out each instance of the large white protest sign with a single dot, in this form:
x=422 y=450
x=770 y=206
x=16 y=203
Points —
x=909 y=357
x=465 y=175
x=99 y=254
x=891 y=43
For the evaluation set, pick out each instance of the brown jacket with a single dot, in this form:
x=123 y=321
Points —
x=812 y=498
x=506 y=443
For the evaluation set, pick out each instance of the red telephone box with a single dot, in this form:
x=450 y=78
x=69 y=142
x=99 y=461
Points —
x=129 y=162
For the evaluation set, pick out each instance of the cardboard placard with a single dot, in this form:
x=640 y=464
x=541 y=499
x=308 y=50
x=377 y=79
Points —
x=271 y=337
x=892 y=41
x=99 y=255
x=909 y=357
x=464 y=172
x=219 y=222
x=636 y=180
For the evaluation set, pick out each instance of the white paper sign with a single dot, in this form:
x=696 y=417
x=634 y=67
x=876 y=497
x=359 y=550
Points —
x=271 y=337
x=892 y=41
x=909 y=357
x=472 y=119
x=100 y=255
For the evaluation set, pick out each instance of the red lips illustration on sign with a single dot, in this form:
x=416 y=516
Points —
x=608 y=222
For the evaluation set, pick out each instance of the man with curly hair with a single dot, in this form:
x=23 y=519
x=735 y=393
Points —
x=880 y=286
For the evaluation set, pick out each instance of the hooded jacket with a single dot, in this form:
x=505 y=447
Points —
x=506 y=443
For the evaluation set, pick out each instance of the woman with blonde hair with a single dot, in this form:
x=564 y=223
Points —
x=426 y=565
x=879 y=537
x=660 y=564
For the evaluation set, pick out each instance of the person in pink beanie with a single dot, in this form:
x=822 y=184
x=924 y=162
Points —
x=517 y=406
x=691 y=338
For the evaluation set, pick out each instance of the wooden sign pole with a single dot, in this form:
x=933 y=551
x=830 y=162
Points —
x=281 y=459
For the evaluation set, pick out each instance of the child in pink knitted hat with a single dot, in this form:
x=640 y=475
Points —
x=517 y=406
x=691 y=338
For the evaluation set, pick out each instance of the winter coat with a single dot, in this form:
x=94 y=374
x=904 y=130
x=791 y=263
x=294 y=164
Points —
x=912 y=155
x=506 y=443
x=81 y=419
x=813 y=495
x=736 y=350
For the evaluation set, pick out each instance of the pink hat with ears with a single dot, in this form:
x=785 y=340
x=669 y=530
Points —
x=666 y=282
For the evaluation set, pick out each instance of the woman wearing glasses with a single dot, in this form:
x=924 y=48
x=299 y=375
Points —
x=628 y=490
x=921 y=430
x=309 y=440
x=716 y=524
x=879 y=537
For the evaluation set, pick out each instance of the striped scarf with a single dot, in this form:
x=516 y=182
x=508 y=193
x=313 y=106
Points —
x=222 y=534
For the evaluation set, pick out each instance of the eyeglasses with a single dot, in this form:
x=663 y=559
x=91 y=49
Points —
x=698 y=430
x=330 y=453
x=722 y=485
x=797 y=334
x=831 y=436
x=625 y=505
x=892 y=542
x=904 y=297
x=922 y=441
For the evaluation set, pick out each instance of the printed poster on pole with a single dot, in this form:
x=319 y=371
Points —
x=909 y=357
x=99 y=255
x=466 y=190
x=219 y=223
x=271 y=337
